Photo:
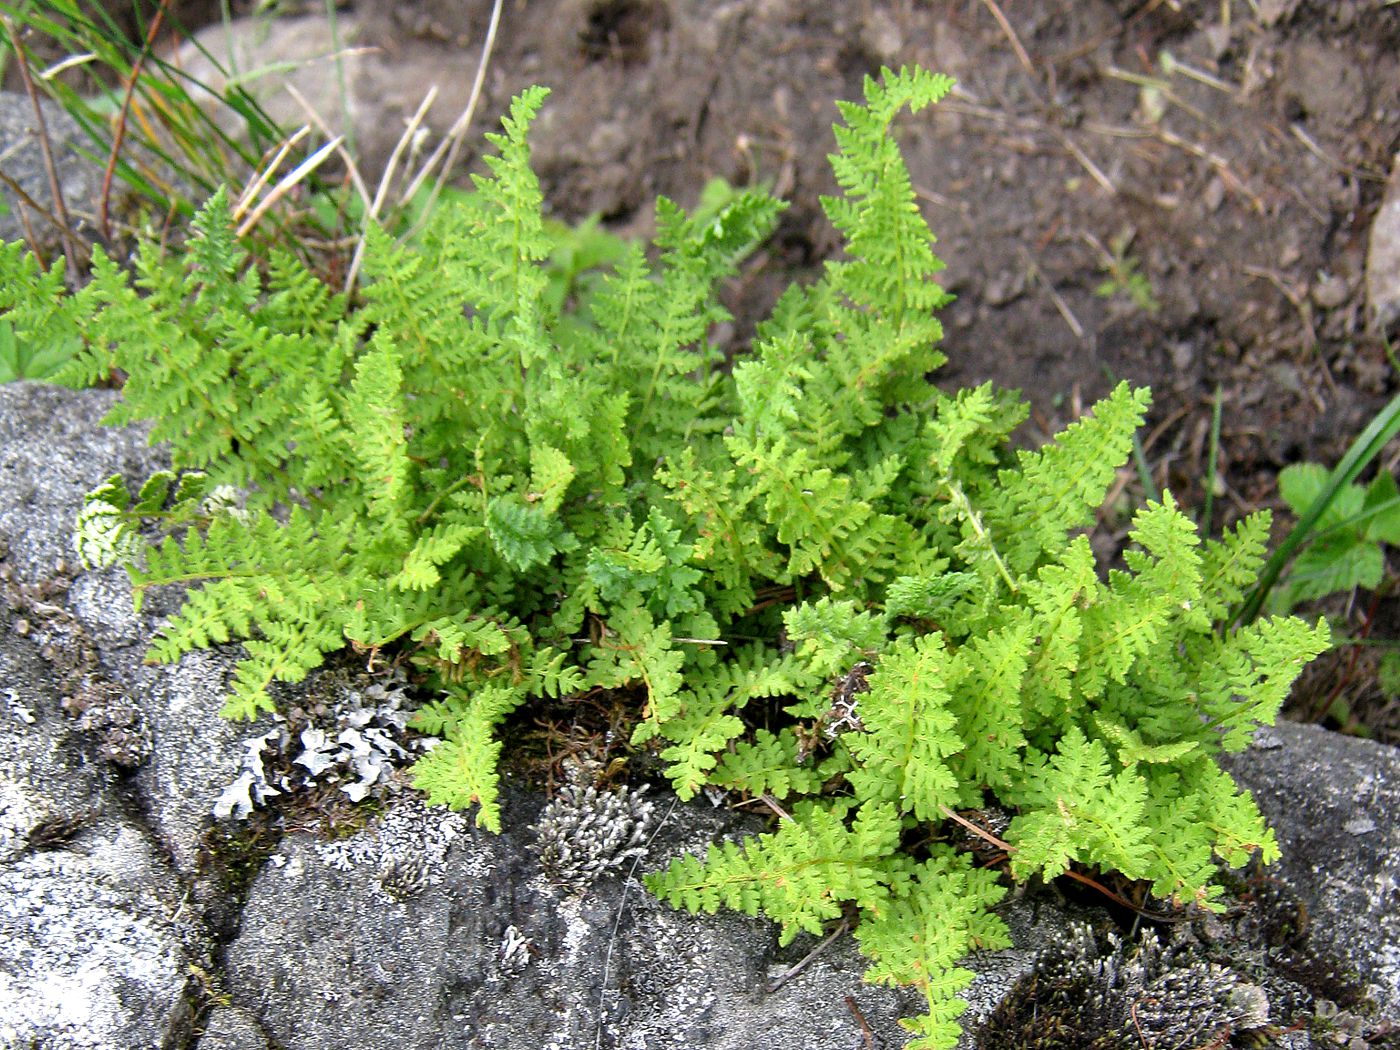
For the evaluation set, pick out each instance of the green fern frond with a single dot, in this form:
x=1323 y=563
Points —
x=804 y=573
x=1058 y=488
x=909 y=730
x=461 y=771
x=767 y=765
x=918 y=940
x=799 y=875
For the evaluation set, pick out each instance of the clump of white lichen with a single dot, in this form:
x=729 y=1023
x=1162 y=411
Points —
x=585 y=831
x=352 y=735
x=1117 y=995
x=407 y=847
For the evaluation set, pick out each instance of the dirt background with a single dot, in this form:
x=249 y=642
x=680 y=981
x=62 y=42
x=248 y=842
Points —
x=1231 y=152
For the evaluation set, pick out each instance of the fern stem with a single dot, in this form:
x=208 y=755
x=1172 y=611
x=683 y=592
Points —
x=984 y=539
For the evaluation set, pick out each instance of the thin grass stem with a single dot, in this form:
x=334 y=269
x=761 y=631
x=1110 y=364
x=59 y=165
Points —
x=1212 y=462
x=1363 y=450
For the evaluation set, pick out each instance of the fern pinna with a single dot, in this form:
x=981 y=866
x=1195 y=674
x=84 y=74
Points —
x=821 y=578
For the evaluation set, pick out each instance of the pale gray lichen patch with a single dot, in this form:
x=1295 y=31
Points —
x=352 y=734
x=407 y=847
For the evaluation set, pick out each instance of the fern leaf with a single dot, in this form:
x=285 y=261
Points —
x=988 y=706
x=376 y=437
x=909 y=730
x=1230 y=565
x=922 y=934
x=1059 y=487
x=1076 y=809
x=798 y=876
x=1243 y=679
x=767 y=765
x=461 y=771
x=832 y=634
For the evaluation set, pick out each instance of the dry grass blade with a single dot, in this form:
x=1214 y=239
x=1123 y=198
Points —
x=354 y=169
x=246 y=198
x=385 y=181
x=291 y=179
x=451 y=146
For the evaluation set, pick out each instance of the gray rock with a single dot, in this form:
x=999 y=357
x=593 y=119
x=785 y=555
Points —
x=1383 y=255
x=21 y=158
x=1318 y=791
x=497 y=955
x=230 y=1028
x=51 y=453
x=91 y=947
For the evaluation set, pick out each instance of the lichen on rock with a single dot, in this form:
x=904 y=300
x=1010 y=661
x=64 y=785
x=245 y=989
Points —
x=585 y=832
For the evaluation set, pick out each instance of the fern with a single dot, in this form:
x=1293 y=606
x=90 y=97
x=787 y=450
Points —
x=813 y=576
x=801 y=874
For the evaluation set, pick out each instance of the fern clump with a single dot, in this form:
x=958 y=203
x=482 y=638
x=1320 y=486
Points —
x=817 y=576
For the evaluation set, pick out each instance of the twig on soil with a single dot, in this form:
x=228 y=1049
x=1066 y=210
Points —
x=1159 y=85
x=1221 y=166
x=1095 y=172
x=1162 y=427
x=1060 y=305
x=1174 y=65
x=1310 y=144
x=46 y=149
x=860 y=1020
x=1021 y=56
x=1216 y=161
x=797 y=967
x=977 y=109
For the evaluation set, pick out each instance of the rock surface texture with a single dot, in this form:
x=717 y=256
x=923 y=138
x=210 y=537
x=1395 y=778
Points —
x=22 y=159
x=419 y=930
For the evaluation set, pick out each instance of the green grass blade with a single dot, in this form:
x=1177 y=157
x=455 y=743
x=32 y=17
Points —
x=1363 y=450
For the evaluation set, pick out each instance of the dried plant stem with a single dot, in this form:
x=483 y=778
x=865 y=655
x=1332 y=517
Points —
x=255 y=187
x=293 y=177
x=70 y=253
x=451 y=146
x=385 y=181
x=1021 y=56
x=104 y=222
x=797 y=967
x=29 y=236
x=350 y=165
